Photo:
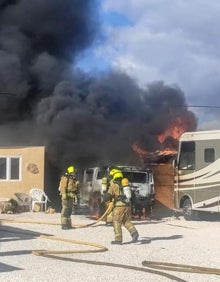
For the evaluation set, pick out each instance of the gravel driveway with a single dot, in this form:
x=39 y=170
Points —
x=166 y=239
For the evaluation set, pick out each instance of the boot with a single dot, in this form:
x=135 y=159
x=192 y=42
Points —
x=64 y=227
x=116 y=242
x=69 y=224
x=135 y=237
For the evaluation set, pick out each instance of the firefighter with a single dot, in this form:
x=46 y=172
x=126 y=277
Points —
x=68 y=187
x=121 y=209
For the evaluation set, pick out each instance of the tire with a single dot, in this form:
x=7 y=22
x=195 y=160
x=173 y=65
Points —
x=187 y=210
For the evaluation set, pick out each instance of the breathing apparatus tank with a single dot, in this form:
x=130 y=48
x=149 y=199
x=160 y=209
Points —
x=126 y=188
x=104 y=185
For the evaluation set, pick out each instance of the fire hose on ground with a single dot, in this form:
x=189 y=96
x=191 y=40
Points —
x=108 y=210
x=105 y=214
x=154 y=265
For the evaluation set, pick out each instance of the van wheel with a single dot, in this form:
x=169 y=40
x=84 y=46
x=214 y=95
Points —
x=187 y=210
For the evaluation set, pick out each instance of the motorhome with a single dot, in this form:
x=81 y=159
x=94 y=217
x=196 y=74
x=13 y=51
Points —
x=141 y=180
x=197 y=174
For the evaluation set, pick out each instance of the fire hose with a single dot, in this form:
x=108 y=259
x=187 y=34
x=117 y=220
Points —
x=53 y=254
x=108 y=210
x=181 y=267
x=99 y=248
x=156 y=266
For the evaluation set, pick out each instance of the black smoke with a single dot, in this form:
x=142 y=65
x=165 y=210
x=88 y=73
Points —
x=81 y=119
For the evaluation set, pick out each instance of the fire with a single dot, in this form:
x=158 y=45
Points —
x=168 y=139
x=166 y=152
x=139 y=151
x=163 y=152
x=175 y=130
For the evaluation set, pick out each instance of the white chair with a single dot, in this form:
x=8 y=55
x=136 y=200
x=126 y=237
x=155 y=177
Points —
x=38 y=196
x=24 y=201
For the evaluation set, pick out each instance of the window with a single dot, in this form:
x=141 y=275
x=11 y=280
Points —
x=187 y=156
x=3 y=168
x=209 y=155
x=88 y=175
x=101 y=174
x=136 y=177
x=10 y=168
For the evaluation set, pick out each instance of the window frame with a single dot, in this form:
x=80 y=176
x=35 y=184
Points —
x=9 y=168
x=187 y=156
x=209 y=155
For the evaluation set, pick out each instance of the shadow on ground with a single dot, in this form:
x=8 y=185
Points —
x=6 y=268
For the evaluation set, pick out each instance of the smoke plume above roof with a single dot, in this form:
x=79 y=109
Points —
x=81 y=119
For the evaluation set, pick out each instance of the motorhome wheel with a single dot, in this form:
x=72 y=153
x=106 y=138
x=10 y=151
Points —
x=187 y=210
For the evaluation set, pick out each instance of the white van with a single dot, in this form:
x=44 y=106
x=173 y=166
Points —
x=142 y=184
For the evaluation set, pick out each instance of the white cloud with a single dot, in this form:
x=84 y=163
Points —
x=172 y=40
x=209 y=125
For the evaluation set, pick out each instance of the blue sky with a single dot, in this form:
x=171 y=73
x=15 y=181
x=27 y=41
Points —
x=89 y=60
x=177 y=42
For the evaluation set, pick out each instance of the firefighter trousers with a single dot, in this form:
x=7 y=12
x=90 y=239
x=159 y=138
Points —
x=66 y=211
x=122 y=217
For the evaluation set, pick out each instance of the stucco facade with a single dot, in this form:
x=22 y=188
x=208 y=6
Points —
x=21 y=168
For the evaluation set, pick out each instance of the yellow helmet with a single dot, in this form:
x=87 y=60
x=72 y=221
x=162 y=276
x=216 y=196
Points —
x=118 y=175
x=113 y=171
x=124 y=182
x=70 y=169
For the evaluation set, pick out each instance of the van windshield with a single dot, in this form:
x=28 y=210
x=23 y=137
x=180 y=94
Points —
x=88 y=175
x=101 y=174
x=136 y=177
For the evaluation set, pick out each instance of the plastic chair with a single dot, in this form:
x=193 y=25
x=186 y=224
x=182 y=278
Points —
x=38 y=196
x=24 y=201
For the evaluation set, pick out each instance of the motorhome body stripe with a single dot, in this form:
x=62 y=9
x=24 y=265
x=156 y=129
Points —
x=211 y=170
x=206 y=176
x=193 y=186
x=212 y=174
x=213 y=202
x=208 y=204
x=192 y=178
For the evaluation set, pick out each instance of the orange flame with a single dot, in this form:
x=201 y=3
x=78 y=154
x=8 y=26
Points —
x=139 y=151
x=176 y=129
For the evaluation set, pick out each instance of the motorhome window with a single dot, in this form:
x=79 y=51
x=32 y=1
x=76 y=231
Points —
x=209 y=155
x=10 y=168
x=187 y=155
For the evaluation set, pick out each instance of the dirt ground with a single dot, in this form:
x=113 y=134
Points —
x=91 y=256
